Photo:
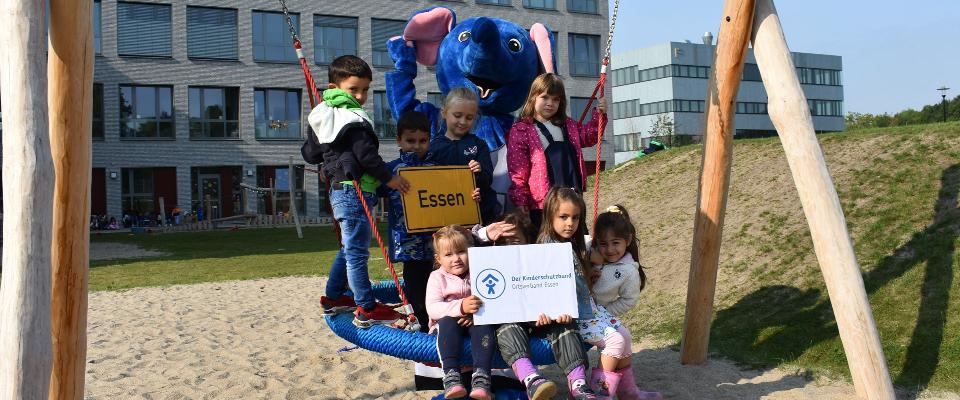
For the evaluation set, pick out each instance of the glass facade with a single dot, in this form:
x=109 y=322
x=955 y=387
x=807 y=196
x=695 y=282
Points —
x=633 y=108
x=825 y=108
x=583 y=6
x=97 y=28
x=137 y=190
x=97 y=132
x=628 y=142
x=276 y=113
x=214 y=112
x=544 y=4
x=333 y=37
x=584 y=54
x=383 y=30
x=629 y=75
x=435 y=98
x=751 y=108
x=816 y=76
x=212 y=33
x=146 y=112
x=383 y=121
x=495 y=2
x=271 y=36
x=143 y=29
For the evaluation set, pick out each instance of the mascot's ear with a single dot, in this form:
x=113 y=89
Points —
x=426 y=29
x=545 y=42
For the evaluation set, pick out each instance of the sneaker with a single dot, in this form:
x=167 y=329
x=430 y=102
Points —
x=541 y=388
x=480 y=383
x=379 y=315
x=340 y=305
x=583 y=392
x=452 y=387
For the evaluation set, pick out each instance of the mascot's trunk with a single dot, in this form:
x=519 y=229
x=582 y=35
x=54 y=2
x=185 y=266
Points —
x=484 y=50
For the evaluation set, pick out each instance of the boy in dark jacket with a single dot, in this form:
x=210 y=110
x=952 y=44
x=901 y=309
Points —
x=349 y=148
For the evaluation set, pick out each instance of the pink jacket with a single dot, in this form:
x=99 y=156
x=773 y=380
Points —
x=445 y=292
x=527 y=163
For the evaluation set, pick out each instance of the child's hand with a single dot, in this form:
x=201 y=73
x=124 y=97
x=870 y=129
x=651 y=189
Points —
x=593 y=275
x=500 y=229
x=564 y=319
x=465 y=322
x=595 y=257
x=602 y=105
x=474 y=166
x=475 y=194
x=470 y=305
x=398 y=182
x=543 y=320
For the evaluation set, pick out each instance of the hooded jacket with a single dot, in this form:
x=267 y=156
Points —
x=345 y=141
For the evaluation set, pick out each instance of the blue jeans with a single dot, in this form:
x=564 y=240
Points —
x=350 y=265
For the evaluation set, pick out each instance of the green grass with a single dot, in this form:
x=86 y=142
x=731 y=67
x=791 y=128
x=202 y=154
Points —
x=899 y=191
x=194 y=257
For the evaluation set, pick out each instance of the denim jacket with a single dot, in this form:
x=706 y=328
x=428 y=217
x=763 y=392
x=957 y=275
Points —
x=405 y=246
x=583 y=291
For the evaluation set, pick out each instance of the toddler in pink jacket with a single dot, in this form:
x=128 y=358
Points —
x=545 y=147
x=451 y=307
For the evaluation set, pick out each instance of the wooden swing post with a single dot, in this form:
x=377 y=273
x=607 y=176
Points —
x=735 y=27
x=70 y=73
x=787 y=106
x=25 y=349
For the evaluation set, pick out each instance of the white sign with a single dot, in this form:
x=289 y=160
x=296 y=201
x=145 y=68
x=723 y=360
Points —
x=518 y=283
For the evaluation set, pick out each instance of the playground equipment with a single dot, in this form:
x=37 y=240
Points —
x=43 y=315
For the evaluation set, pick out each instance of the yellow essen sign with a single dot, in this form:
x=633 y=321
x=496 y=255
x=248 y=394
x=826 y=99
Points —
x=439 y=196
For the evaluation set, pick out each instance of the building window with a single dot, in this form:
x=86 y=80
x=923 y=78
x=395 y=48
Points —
x=97 y=36
x=137 y=190
x=143 y=29
x=333 y=37
x=543 y=4
x=633 y=108
x=146 y=111
x=494 y=2
x=276 y=113
x=584 y=54
x=214 y=112
x=751 y=108
x=624 y=76
x=751 y=72
x=271 y=36
x=383 y=30
x=212 y=33
x=826 y=108
x=817 y=76
x=577 y=104
x=98 y=111
x=383 y=121
x=583 y=6
x=627 y=142
x=435 y=98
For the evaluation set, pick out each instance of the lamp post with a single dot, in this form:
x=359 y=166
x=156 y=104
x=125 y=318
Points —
x=943 y=93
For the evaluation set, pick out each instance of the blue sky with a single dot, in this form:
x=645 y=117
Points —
x=895 y=53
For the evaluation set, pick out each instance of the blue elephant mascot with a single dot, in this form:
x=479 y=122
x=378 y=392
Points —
x=496 y=58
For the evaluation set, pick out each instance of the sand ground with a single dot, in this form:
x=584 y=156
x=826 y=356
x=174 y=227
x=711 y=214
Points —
x=266 y=339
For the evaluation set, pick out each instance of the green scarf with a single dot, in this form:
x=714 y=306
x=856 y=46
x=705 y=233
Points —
x=338 y=98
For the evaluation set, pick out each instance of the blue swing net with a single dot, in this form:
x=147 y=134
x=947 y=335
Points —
x=415 y=346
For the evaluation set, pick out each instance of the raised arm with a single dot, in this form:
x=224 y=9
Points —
x=401 y=92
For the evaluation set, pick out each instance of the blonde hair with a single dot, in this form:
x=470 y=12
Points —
x=455 y=236
x=551 y=84
x=460 y=93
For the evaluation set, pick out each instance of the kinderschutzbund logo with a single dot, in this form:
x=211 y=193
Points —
x=490 y=284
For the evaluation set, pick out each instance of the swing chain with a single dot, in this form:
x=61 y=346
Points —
x=293 y=31
x=613 y=25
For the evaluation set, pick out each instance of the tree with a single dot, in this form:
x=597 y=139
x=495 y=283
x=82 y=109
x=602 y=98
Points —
x=662 y=128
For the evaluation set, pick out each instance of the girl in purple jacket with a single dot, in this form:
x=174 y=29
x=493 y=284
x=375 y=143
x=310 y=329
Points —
x=451 y=307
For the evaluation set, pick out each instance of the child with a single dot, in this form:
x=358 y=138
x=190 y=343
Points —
x=412 y=249
x=451 y=309
x=544 y=147
x=616 y=288
x=348 y=145
x=563 y=207
x=457 y=146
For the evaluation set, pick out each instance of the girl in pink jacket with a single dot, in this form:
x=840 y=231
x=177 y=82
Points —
x=451 y=307
x=545 y=147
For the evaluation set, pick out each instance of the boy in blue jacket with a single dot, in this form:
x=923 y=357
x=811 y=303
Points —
x=345 y=139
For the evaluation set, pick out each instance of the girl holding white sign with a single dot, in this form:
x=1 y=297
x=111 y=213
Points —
x=451 y=308
x=615 y=284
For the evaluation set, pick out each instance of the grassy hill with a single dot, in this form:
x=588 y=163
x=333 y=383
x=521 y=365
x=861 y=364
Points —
x=898 y=188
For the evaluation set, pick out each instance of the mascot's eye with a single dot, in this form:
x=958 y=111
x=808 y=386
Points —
x=464 y=36
x=514 y=45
